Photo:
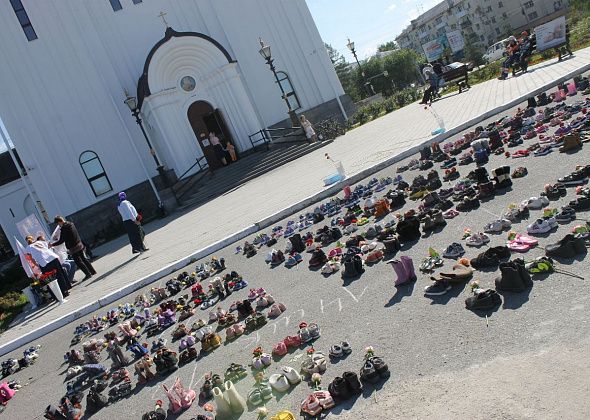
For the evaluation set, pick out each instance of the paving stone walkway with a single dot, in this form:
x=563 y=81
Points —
x=182 y=233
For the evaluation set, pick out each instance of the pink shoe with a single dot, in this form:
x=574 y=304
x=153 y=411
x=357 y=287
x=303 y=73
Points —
x=526 y=240
x=450 y=214
x=274 y=311
x=280 y=349
x=517 y=246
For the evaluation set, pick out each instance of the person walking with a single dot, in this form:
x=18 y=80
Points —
x=132 y=223
x=48 y=260
x=70 y=237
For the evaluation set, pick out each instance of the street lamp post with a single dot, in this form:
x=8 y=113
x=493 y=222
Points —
x=131 y=102
x=267 y=55
x=368 y=86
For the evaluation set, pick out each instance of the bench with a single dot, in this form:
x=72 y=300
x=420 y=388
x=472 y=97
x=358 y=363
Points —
x=523 y=62
x=454 y=73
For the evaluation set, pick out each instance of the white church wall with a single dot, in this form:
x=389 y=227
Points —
x=12 y=211
x=62 y=94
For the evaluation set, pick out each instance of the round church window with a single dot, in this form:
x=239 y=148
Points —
x=188 y=83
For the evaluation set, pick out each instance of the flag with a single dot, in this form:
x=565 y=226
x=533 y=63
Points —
x=29 y=265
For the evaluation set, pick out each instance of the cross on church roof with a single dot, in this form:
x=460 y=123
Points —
x=163 y=16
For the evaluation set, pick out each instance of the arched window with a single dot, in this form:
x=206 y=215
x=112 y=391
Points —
x=95 y=174
x=287 y=87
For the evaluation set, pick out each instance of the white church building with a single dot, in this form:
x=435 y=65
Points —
x=193 y=66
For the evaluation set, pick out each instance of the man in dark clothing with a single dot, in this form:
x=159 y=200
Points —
x=69 y=236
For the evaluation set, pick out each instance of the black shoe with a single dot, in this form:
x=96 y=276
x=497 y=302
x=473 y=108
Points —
x=484 y=300
x=135 y=251
x=380 y=366
x=485 y=259
x=368 y=373
x=339 y=389
x=352 y=380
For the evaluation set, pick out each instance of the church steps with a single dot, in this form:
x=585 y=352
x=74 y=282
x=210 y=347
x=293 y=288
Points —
x=231 y=177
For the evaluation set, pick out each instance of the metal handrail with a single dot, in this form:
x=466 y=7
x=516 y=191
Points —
x=263 y=139
x=183 y=180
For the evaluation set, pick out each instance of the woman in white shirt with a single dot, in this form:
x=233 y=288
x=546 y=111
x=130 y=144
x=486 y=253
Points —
x=308 y=128
x=48 y=261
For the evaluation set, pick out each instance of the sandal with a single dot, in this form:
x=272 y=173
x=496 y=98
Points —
x=325 y=399
x=311 y=406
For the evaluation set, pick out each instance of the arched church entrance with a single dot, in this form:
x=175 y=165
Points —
x=204 y=119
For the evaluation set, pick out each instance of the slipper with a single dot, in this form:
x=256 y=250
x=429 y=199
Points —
x=517 y=246
x=279 y=382
x=458 y=273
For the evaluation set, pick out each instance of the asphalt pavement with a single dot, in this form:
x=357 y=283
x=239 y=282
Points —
x=420 y=338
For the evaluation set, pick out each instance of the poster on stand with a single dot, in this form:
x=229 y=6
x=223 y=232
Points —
x=551 y=34
x=30 y=225
x=433 y=50
x=456 y=41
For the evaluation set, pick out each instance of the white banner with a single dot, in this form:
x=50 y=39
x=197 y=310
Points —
x=456 y=41
x=550 y=34
x=31 y=226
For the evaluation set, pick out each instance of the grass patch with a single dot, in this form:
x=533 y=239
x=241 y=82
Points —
x=12 y=301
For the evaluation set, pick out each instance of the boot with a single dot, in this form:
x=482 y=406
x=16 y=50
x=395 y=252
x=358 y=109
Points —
x=532 y=102
x=438 y=219
x=525 y=276
x=358 y=264
x=571 y=142
x=297 y=243
x=542 y=99
x=392 y=245
x=349 y=267
x=502 y=177
x=409 y=266
x=400 y=272
x=485 y=190
x=481 y=175
x=318 y=258
x=510 y=279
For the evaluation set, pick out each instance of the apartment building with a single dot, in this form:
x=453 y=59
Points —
x=482 y=22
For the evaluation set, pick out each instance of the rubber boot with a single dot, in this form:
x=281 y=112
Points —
x=400 y=272
x=409 y=266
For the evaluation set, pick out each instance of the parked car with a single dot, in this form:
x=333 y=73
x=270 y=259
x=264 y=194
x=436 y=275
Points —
x=496 y=51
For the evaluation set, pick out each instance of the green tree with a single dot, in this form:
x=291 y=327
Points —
x=345 y=74
x=388 y=46
x=473 y=53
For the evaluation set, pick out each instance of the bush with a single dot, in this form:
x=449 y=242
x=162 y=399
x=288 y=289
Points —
x=362 y=115
x=11 y=301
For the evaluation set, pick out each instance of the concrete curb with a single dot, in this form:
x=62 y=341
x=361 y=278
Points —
x=268 y=221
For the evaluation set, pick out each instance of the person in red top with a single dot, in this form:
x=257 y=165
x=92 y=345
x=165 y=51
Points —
x=512 y=51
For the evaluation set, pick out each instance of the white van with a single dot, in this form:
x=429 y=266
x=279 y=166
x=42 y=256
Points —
x=496 y=51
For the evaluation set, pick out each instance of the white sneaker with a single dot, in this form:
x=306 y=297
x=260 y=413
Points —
x=541 y=226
